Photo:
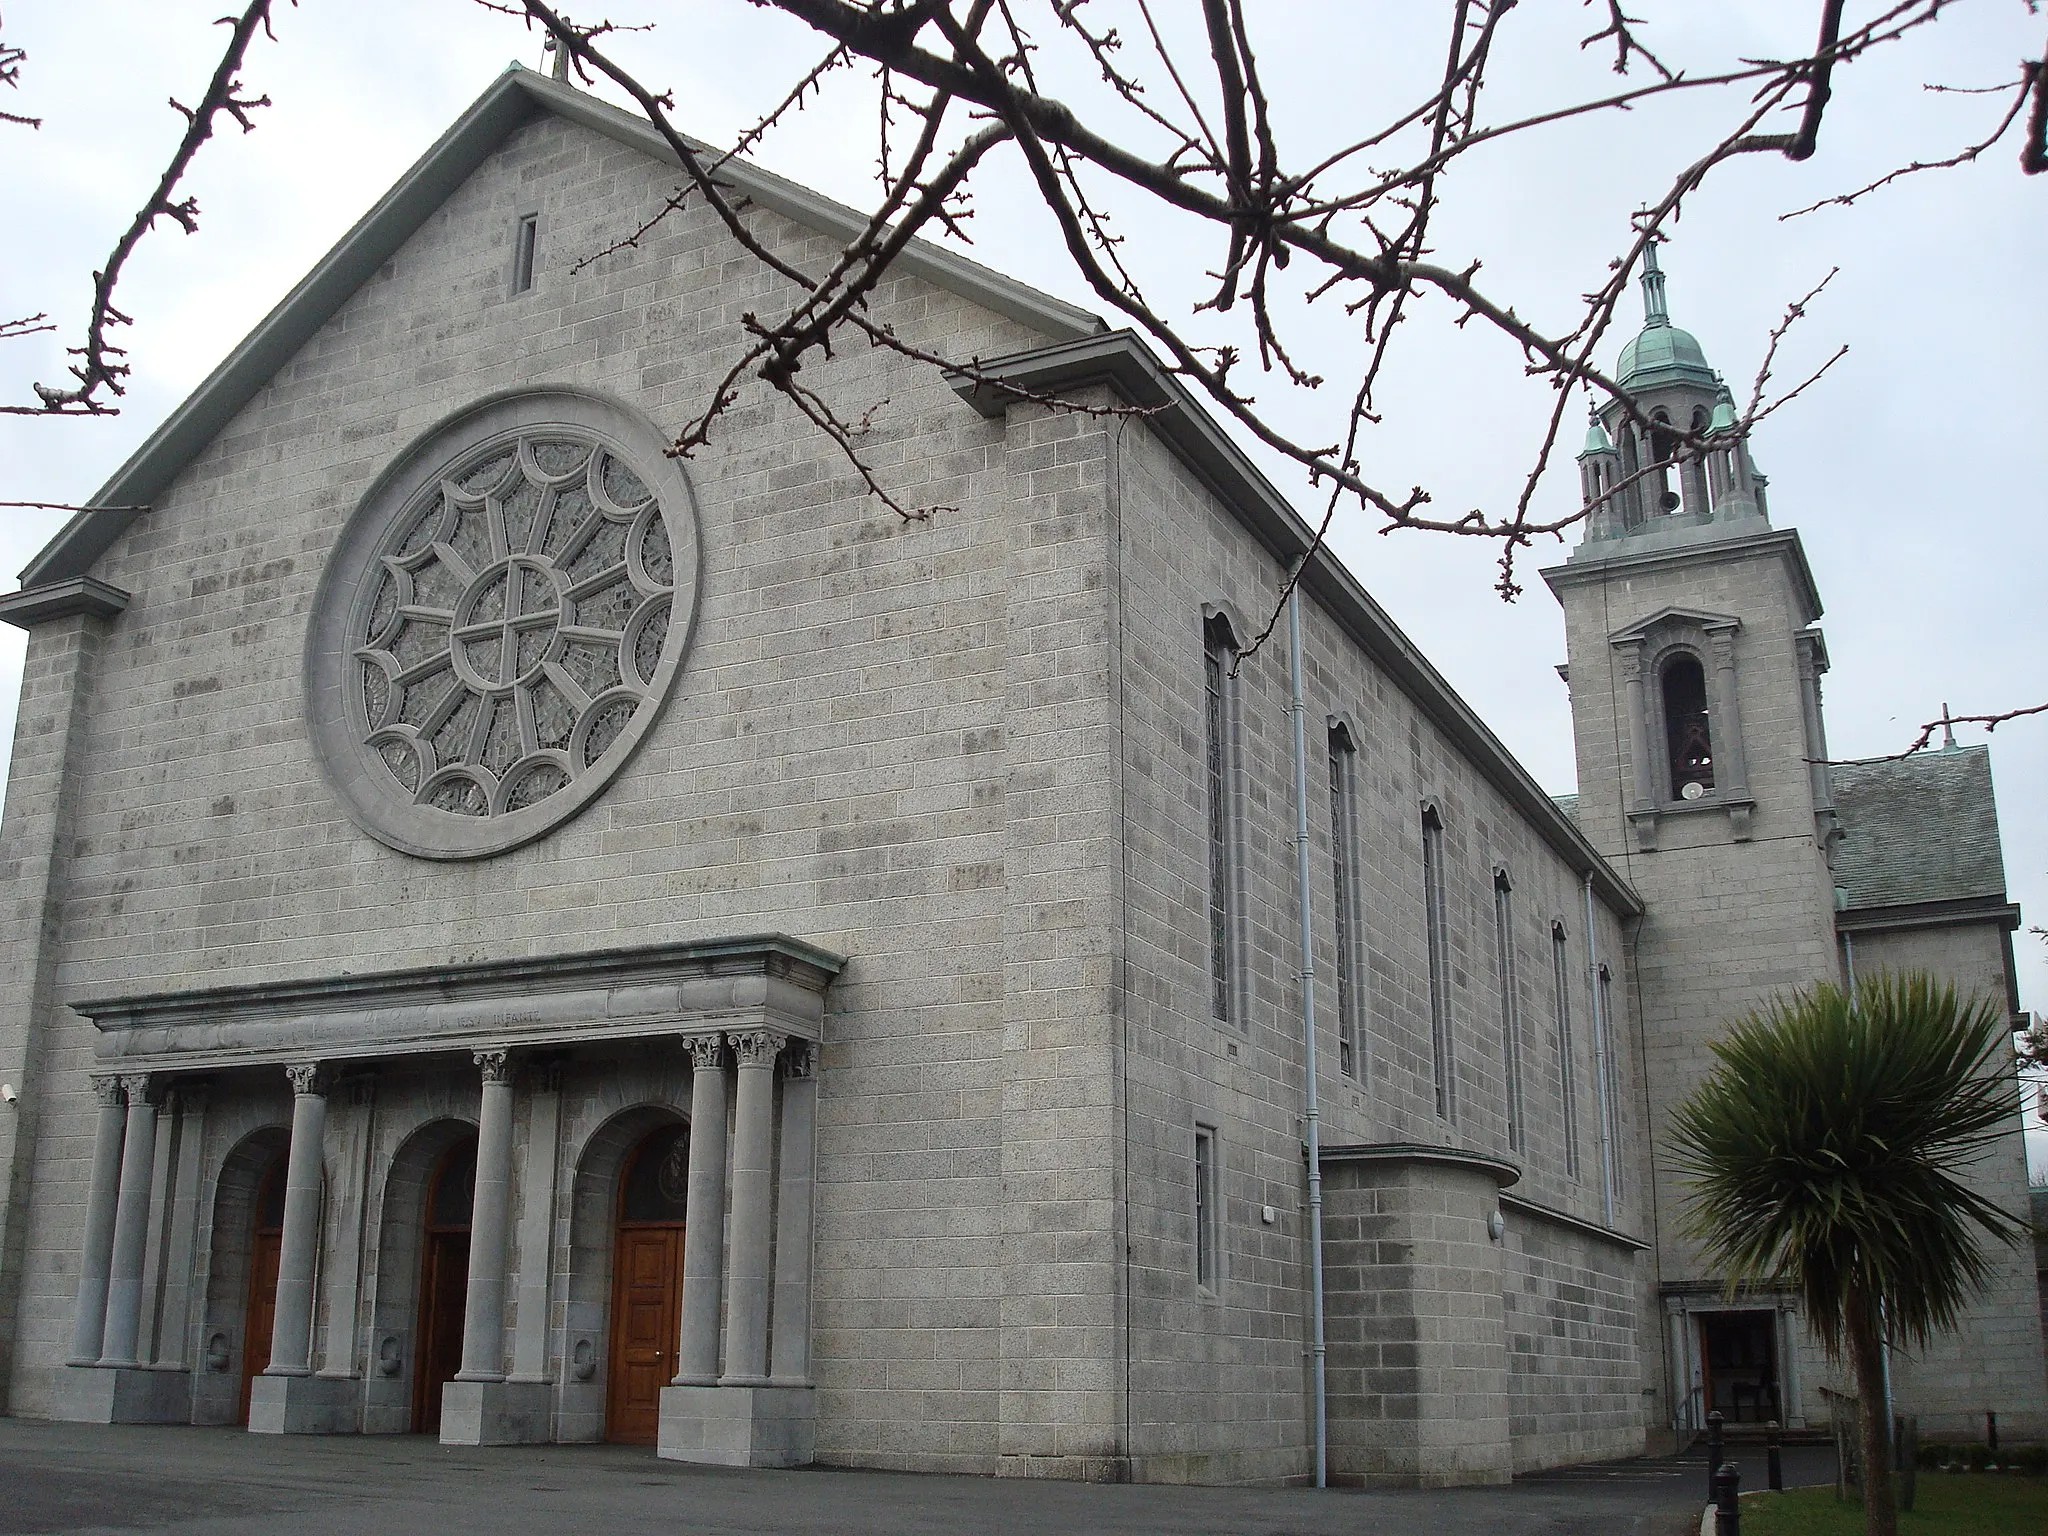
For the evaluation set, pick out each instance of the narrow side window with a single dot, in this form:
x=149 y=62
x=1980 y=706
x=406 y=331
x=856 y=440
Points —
x=1208 y=1242
x=1344 y=886
x=1218 y=720
x=1567 y=1088
x=1610 y=1110
x=1510 y=1015
x=525 y=241
x=1436 y=926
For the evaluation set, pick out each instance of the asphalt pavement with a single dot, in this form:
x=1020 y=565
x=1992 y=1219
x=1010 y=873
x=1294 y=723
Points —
x=81 y=1479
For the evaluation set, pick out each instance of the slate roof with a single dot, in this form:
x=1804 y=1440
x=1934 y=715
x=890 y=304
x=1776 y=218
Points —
x=1922 y=828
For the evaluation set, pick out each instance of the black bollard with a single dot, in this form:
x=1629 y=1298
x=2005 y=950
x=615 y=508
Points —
x=1772 y=1442
x=1713 y=1451
x=1727 y=1501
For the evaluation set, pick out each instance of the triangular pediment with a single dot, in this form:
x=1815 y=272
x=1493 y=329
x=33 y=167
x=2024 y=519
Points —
x=514 y=99
x=1674 y=617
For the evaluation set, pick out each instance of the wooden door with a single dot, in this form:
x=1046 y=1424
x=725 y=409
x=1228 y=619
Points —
x=647 y=1295
x=444 y=1283
x=260 y=1313
x=444 y=1293
x=266 y=1242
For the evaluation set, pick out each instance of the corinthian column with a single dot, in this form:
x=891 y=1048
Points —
x=291 y=1330
x=89 y=1324
x=704 y=1234
x=753 y=1169
x=483 y=1314
x=131 y=1224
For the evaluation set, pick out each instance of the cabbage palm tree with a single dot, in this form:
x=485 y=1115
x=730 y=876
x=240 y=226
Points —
x=1825 y=1152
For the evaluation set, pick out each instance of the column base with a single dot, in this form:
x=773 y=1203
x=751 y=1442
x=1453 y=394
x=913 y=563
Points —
x=125 y=1394
x=305 y=1405
x=738 y=1426
x=496 y=1413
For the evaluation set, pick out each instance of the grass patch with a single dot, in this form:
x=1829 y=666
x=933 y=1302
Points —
x=1989 y=1504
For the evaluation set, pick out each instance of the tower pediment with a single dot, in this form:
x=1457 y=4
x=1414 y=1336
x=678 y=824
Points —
x=1674 y=616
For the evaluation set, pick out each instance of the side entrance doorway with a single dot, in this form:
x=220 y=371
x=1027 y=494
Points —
x=444 y=1283
x=1739 y=1361
x=266 y=1241
x=647 y=1284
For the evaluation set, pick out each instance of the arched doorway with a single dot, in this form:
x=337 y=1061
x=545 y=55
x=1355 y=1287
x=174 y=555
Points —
x=266 y=1241
x=444 y=1282
x=647 y=1283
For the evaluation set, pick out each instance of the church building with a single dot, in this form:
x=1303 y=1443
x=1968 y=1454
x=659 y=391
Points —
x=516 y=936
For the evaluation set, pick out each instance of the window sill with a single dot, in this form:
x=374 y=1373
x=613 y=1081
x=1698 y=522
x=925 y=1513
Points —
x=1738 y=806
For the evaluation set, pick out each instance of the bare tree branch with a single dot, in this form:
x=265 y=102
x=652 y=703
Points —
x=11 y=60
x=1945 y=724
x=100 y=369
x=2030 y=74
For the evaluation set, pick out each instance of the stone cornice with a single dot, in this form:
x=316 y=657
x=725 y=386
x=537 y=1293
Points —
x=1503 y=1173
x=1119 y=361
x=764 y=982
x=1931 y=914
x=60 y=599
x=1579 y=1224
x=1782 y=542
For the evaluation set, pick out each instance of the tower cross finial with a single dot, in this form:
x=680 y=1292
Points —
x=1654 y=310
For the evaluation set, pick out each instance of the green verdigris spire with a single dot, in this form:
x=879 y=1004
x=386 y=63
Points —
x=1655 y=311
x=1661 y=353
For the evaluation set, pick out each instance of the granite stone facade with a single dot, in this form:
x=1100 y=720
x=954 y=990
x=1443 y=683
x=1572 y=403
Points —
x=826 y=1082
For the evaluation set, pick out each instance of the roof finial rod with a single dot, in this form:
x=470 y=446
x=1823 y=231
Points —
x=559 y=66
x=1654 y=310
x=1948 y=731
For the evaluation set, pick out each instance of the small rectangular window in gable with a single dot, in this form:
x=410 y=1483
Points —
x=526 y=242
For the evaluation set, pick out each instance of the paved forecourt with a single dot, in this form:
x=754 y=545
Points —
x=76 y=1478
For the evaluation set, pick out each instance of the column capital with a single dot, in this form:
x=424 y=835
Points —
x=106 y=1091
x=800 y=1059
x=757 y=1047
x=496 y=1066
x=706 y=1051
x=308 y=1078
x=140 y=1088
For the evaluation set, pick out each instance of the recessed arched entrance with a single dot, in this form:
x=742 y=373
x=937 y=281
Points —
x=266 y=1241
x=444 y=1281
x=647 y=1283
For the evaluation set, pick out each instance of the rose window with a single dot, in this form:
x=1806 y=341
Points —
x=518 y=611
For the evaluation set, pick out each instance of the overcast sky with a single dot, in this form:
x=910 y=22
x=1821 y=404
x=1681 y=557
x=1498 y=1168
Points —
x=1914 y=471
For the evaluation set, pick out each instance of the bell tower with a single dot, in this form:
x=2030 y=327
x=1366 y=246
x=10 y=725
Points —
x=1694 y=668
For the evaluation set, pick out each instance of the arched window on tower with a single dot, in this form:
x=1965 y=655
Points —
x=1632 y=488
x=1687 y=736
x=1663 y=451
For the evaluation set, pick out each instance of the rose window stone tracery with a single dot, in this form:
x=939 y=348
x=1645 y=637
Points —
x=517 y=609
